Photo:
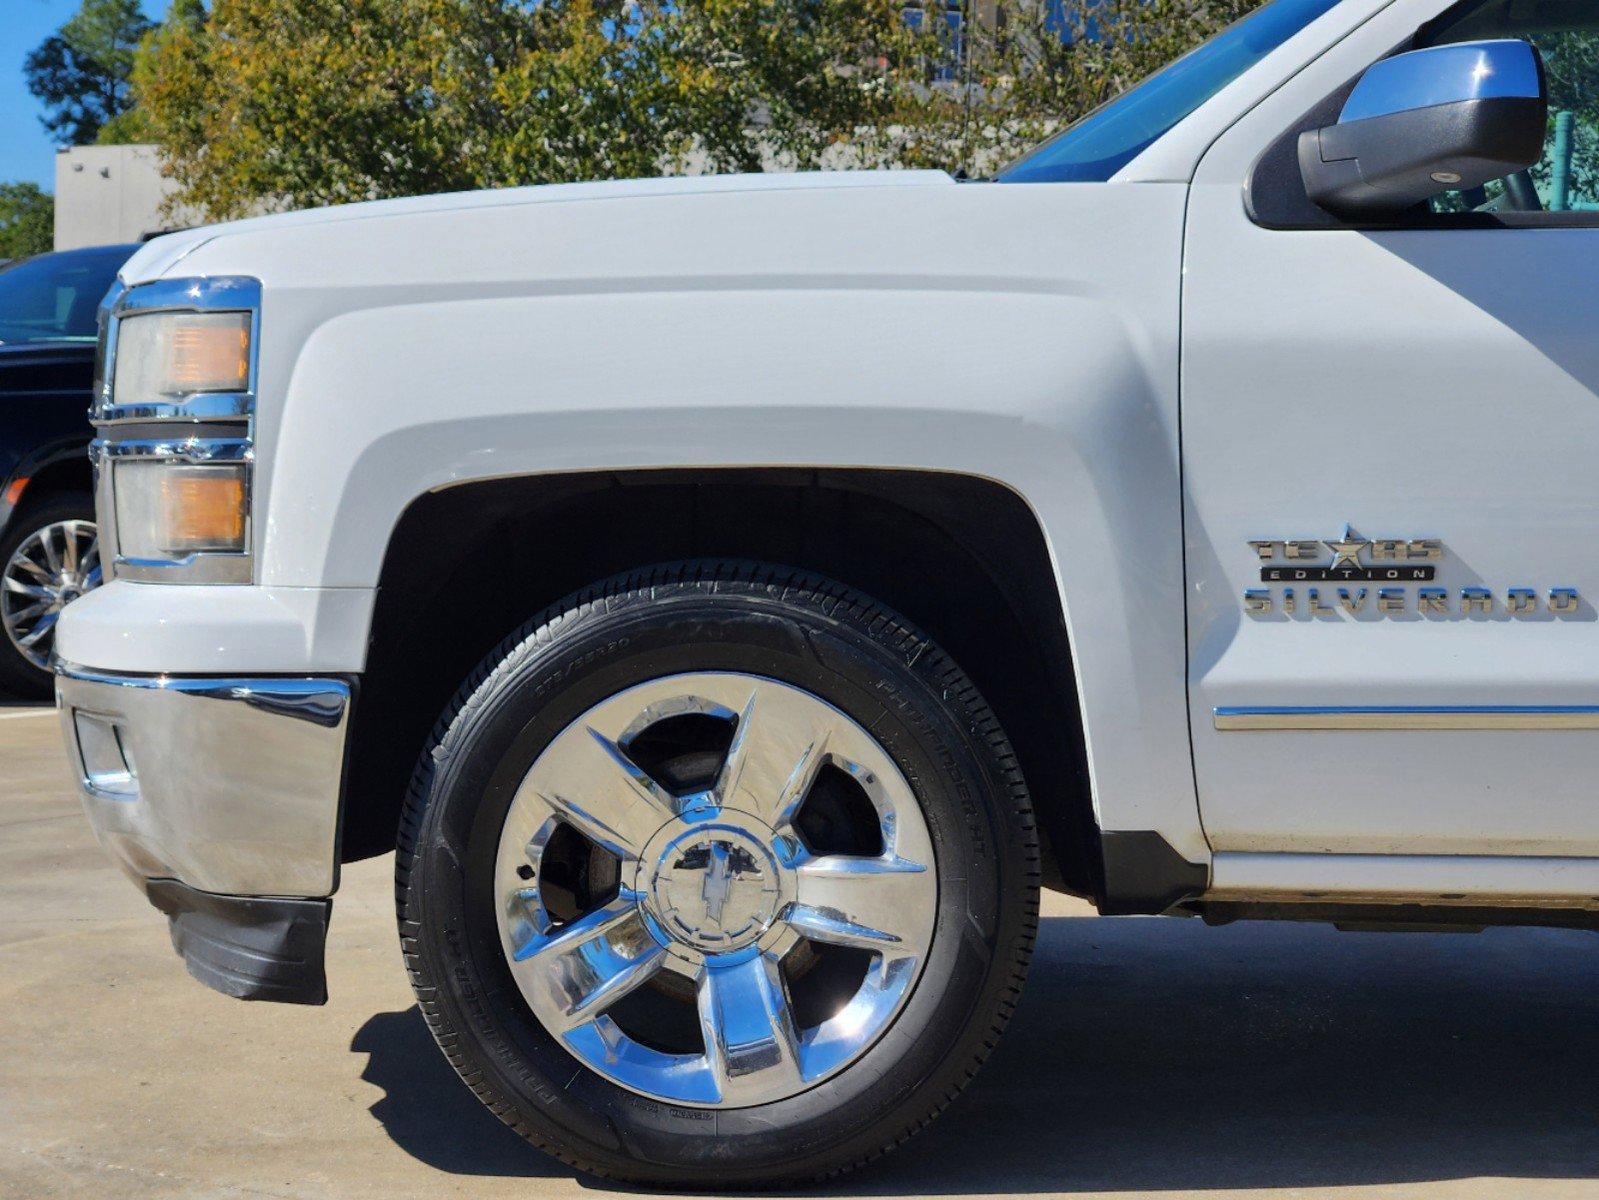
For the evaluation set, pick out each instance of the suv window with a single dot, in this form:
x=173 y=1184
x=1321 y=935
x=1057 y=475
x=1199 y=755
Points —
x=55 y=297
x=1566 y=33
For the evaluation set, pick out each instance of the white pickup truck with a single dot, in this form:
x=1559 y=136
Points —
x=735 y=597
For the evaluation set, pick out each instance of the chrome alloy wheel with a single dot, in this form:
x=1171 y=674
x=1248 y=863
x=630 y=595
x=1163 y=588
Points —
x=725 y=936
x=51 y=568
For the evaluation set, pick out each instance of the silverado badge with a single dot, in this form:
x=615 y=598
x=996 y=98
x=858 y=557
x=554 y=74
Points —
x=1382 y=561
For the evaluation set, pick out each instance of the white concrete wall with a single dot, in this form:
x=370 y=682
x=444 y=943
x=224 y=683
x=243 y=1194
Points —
x=109 y=194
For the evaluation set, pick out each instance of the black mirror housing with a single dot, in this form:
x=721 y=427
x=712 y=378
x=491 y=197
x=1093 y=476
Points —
x=1428 y=122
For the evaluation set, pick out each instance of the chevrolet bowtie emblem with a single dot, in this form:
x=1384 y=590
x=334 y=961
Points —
x=718 y=885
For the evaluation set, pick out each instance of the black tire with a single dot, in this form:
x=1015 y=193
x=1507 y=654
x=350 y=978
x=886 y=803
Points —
x=795 y=627
x=19 y=677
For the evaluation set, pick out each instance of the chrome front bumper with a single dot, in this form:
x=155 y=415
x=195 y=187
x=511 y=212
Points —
x=228 y=786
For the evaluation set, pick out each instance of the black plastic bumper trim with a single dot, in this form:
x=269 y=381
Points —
x=1144 y=873
x=247 y=947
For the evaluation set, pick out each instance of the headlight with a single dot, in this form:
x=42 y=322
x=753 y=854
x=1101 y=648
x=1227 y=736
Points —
x=175 y=447
x=170 y=510
x=166 y=354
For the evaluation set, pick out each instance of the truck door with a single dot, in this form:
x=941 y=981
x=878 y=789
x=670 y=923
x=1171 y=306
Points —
x=1391 y=455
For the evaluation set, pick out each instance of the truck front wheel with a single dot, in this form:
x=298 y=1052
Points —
x=717 y=874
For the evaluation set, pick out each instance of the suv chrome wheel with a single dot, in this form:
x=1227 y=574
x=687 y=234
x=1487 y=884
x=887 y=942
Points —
x=49 y=569
x=715 y=889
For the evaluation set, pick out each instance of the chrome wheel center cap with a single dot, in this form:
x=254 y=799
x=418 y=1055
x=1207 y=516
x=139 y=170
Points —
x=714 y=887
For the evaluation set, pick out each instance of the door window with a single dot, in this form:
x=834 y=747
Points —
x=1566 y=33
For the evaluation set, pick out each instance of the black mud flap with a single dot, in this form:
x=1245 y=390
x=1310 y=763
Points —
x=1145 y=874
x=247 y=947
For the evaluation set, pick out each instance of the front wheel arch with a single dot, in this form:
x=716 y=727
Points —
x=965 y=558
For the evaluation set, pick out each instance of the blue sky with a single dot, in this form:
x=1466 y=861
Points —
x=26 y=151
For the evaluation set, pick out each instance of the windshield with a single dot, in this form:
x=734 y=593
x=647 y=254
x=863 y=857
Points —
x=1114 y=134
x=53 y=298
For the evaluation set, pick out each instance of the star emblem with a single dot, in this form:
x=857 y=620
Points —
x=1347 y=551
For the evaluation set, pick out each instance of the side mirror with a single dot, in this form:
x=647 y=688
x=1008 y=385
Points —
x=1427 y=122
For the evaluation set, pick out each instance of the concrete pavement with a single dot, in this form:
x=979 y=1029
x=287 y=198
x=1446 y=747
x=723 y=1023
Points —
x=1150 y=1057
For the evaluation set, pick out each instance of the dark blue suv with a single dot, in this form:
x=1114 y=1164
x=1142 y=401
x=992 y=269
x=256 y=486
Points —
x=48 y=551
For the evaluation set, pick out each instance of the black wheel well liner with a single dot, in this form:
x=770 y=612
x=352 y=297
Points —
x=960 y=556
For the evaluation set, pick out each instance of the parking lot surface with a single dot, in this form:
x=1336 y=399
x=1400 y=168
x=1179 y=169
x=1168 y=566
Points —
x=1150 y=1057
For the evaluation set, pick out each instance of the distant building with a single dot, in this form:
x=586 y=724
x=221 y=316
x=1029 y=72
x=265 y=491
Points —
x=110 y=194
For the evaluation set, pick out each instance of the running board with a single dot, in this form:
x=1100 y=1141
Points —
x=1467 y=879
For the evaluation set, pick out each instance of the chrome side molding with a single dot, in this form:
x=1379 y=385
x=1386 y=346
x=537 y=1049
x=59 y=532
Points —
x=1408 y=716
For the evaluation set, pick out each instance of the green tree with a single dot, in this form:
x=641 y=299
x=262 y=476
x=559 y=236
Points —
x=305 y=102
x=128 y=127
x=27 y=220
x=81 y=72
x=309 y=102
x=1038 y=65
x=789 y=81
x=1571 y=64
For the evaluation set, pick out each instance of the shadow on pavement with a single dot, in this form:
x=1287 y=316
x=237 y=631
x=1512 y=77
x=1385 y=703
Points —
x=1156 y=1055
x=430 y=1113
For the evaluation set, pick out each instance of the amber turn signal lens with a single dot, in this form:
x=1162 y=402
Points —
x=168 y=354
x=204 y=509
x=210 y=354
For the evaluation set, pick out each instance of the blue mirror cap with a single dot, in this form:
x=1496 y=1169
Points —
x=1446 y=75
